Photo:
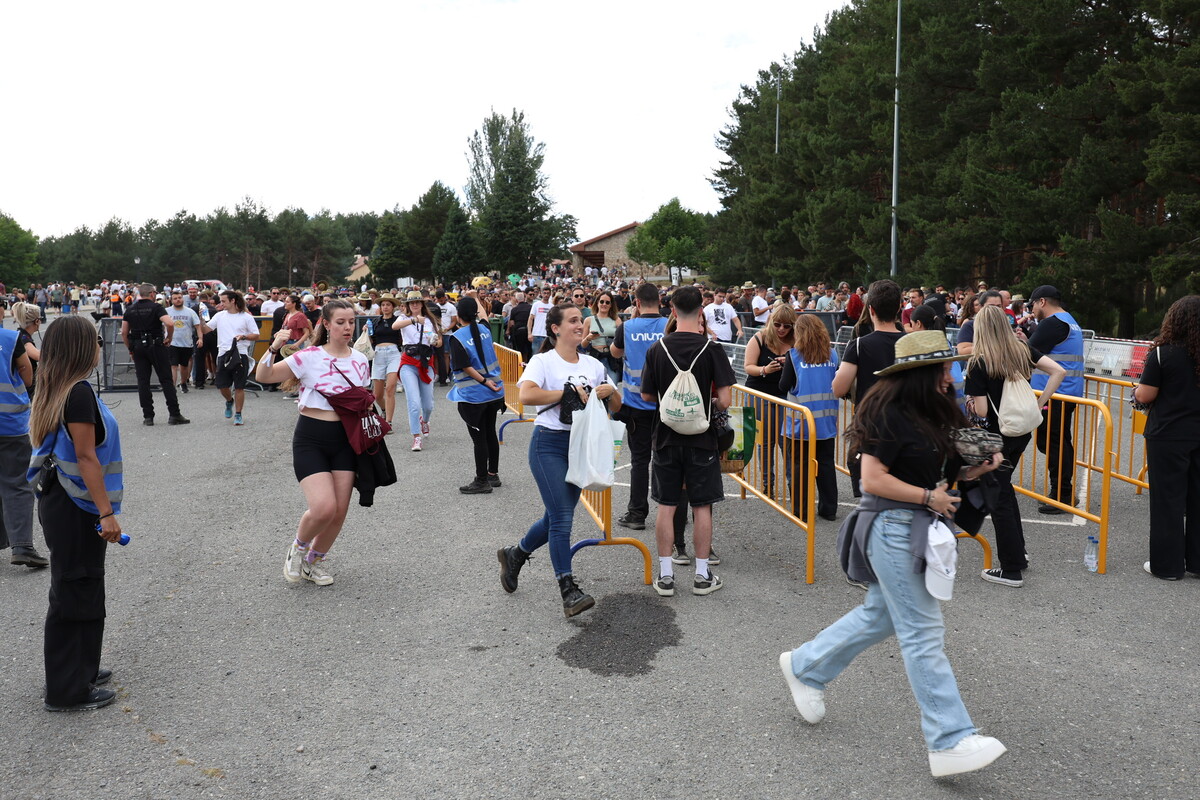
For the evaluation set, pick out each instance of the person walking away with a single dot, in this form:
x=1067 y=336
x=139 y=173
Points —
x=16 y=493
x=235 y=327
x=869 y=353
x=1171 y=384
x=902 y=429
x=322 y=457
x=479 y=393
x=420 y=336
x=997 y=357
x=687 y=459
x=186 y=333
x=543 y=384
x=1059 y=336
x=633 y=339
x=385 y=368
x=518 y=327
x=77 y=466
x=146 y=330
x=807 y=379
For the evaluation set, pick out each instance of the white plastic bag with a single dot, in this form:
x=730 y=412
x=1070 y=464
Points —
x=590 y=462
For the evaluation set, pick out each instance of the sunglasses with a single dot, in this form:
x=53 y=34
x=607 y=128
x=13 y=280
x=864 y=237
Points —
x=784 y=325
x=604 y=303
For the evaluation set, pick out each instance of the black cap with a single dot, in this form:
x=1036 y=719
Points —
x=1045 y=291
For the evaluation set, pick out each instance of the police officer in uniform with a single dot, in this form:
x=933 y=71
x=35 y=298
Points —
x=147 y=329
x=1058 y=336
x=633 y=340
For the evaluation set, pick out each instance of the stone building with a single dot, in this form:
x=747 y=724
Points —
x=606 y=250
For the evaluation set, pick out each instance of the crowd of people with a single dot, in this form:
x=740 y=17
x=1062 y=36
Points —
x=629 y=345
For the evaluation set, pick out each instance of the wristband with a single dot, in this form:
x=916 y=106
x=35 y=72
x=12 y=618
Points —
x=109 y=514
x=483 y=380
x=928 y=496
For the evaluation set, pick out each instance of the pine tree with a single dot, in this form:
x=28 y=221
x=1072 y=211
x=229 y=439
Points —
x=457 y=257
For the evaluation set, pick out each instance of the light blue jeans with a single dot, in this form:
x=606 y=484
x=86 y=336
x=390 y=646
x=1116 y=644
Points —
x=418 y=395
x=897 y=604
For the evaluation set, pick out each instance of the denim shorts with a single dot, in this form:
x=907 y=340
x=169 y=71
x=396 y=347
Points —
x=386 y=362
x=676 y=466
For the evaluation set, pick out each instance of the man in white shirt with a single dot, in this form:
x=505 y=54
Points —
x=760 y=307
x=537 y=317
x=722 y=319
x=271 y=303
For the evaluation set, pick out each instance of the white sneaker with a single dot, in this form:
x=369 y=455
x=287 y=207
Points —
x=809 y=702
x=313 y=571
x=416 y=444
x=291 y=564
x=971 y=753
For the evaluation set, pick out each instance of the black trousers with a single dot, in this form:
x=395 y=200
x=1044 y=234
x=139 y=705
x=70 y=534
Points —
x=481 y=425
x=154 y=357
x=639 y=433
x=1060 y=461
x=827 y=491
x=1174 y=467
x=75 y=621
x=1006 y=515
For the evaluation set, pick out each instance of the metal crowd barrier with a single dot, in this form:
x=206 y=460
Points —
x=510 y=373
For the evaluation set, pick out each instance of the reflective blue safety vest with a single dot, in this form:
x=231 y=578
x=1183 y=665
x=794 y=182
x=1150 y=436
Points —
x=466 y=389
x=960 y=379
x=1069 y=355
x=14 y=399
x=814 y=391
x=58 y=445
x=640 y=334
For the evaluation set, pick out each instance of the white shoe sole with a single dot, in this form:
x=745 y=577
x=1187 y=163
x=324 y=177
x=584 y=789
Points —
x=664 y=592
x=942 y=763
x=800 y=692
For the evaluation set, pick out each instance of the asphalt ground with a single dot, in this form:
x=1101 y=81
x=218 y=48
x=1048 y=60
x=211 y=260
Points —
x=414 y=675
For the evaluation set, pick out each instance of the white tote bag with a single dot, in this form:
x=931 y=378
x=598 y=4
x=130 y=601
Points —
x=1019 y=411
x=590 y=456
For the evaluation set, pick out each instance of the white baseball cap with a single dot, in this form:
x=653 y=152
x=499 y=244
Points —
x=941 y=560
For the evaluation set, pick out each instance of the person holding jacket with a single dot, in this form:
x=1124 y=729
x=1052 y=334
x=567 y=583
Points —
x=997 y=357
x=77 y=466
x=1171 y=383
x=479 y=393
x=902 y=429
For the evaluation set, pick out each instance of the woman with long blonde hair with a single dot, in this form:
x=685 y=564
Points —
x=77 y=464
x=998 y=356
x=807 y=378
x=766 y=353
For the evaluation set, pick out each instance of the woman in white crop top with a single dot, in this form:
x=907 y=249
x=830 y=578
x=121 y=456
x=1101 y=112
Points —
x=323 y=460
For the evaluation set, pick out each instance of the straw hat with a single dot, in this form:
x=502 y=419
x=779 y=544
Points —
x=364 y=296
x=387 y=297
x=921 y=349
x=413 y=297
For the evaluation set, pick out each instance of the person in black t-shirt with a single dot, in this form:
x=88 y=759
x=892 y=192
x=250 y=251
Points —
x=147 y=330
x=518 y=326
x=1171 y=381
x=868 y=354
x=681 y=459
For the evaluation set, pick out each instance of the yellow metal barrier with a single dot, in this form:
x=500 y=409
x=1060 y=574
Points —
x=770 y=474
x=1129 y=461
x=510 y=373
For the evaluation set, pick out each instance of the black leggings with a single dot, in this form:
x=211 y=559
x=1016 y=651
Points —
x=319 y=445
x=481 y=424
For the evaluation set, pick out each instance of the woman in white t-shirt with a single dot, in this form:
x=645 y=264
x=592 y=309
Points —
x=420 y=333
x=542 y=385
x=323 y=460
x=234 y=326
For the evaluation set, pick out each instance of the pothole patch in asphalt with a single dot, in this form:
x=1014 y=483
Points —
x=622 y=635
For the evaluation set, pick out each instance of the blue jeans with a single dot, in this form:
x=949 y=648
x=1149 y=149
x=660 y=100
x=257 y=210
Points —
x=418 y=395
x=898 y=604
x=536 y=344
x=548 y=463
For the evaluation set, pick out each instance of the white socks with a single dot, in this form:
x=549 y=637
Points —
x=702 y=567
x=666 y=567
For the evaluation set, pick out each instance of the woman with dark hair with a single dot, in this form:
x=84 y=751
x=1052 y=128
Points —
x=543 y=384
x=602 y=328
x=235 y=327
x=1171 y=383
x=807 y=379
x=902 y=429
x=420 y=334
x=479 y=393
x=322 y=458
x=77 y=466
x=997 y=358
x=385 y=367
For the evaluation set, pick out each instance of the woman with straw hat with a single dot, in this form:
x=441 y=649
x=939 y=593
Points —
x=420 y=334
x=385 y=368
x=902 y=429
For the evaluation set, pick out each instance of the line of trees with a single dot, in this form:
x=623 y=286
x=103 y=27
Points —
x=1042 y=141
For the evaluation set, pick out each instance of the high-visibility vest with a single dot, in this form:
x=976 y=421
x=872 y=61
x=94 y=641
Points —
x=814 y=391
x=466 y=389
x=59 y=446
x=640 y=334
x=14 y=399
x=1069 y=355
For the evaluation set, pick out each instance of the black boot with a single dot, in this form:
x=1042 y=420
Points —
x=574 y=599
x=511 y=561
x=29 y=556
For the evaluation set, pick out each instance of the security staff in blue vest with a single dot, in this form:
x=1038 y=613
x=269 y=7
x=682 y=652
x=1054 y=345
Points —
x=479 y=393
x=807 y=378
x=16 y=495
x=77 y=467
x=1060 y=338
x=633 y=340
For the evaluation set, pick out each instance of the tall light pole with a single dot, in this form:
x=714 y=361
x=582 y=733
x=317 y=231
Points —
x=896 y=152
x=778 y=101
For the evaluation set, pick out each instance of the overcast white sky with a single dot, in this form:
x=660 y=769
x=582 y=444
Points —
x=139 y=109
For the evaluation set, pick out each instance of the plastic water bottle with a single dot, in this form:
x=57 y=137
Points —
x=1091 y=554
x=204 y=312
x=124 y=540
